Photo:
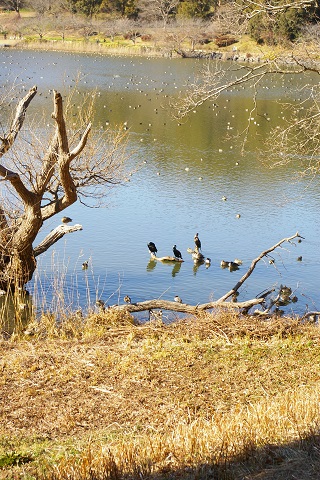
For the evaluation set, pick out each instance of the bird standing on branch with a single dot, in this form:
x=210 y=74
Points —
x=66 y=219
x=176 y=252
x=197 y=241
x=152 y=248
x=177 y=299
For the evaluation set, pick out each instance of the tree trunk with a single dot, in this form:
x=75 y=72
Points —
x=17 y=235
x=17 y=269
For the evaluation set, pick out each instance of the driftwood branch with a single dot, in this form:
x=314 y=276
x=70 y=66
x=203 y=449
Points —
x=167 y=259
x=183 y=307
x=220 y=303
x=54 y=236
x=311 y=316
x=254 y=264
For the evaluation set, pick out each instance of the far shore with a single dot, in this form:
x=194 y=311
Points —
x=239 y=54
x=144 y=50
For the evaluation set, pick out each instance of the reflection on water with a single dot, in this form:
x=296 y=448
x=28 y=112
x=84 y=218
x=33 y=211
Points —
x=187 y=177
x=176 y=268
x=151 y=265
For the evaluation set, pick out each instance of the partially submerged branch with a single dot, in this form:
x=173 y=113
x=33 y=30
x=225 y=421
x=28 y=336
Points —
x=167 y=259
x=222 y=302
x=254 y=264
x=184 y=307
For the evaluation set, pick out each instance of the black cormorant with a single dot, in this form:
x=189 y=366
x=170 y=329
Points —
x=176 y=252
x=152 y=248
x=197 y=241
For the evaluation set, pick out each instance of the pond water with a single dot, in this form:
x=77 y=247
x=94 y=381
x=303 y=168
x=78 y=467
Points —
x=182 y=173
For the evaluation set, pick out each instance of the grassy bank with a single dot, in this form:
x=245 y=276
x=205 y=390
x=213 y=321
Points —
x=214 y=397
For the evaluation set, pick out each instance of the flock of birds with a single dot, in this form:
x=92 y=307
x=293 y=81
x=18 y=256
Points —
x=197 y=256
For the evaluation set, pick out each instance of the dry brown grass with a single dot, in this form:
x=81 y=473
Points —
x=218 y=397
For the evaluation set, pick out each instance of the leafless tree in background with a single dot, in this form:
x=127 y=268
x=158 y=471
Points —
x=153 y=10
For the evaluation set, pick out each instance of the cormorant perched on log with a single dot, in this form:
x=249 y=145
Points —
x=197 y=241
x=152 y=248
x=176 y=252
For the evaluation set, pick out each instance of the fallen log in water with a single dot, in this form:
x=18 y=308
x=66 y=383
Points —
x=220 y=303
x=184 y=307
x=167 y=259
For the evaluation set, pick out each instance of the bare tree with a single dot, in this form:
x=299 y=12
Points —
x=41 y=6
x=39 y=25
x=251 y=8
x=229 y=18
x=63 y=23
x=15 y=5
x=153 y=10
x=177 y=36
x=39 y=181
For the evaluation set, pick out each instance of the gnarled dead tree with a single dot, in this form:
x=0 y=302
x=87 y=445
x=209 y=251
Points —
x=40 y=181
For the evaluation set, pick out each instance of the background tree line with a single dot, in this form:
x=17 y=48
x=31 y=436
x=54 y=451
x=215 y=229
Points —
x=266 y=21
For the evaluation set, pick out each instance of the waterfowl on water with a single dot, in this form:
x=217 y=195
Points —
x=233 y=266
x=238 y=261
x=127 y=299
x=176 y=252
x=85 y=265
x=152 y=248
x=224 y=264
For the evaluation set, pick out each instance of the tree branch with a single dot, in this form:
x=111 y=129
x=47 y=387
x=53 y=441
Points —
x=54 y=236
x=183 y=307
x=84 y=137
x=211 y=84
x=253 y=265
x=220 y=303
x=59 y=152
x=275 y=9
x=8 y=140
x=16 y=125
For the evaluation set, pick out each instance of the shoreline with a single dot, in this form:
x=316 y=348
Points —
x=100 y=48
x=238 y=55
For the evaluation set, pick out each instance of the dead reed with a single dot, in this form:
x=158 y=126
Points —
x=216 y=396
